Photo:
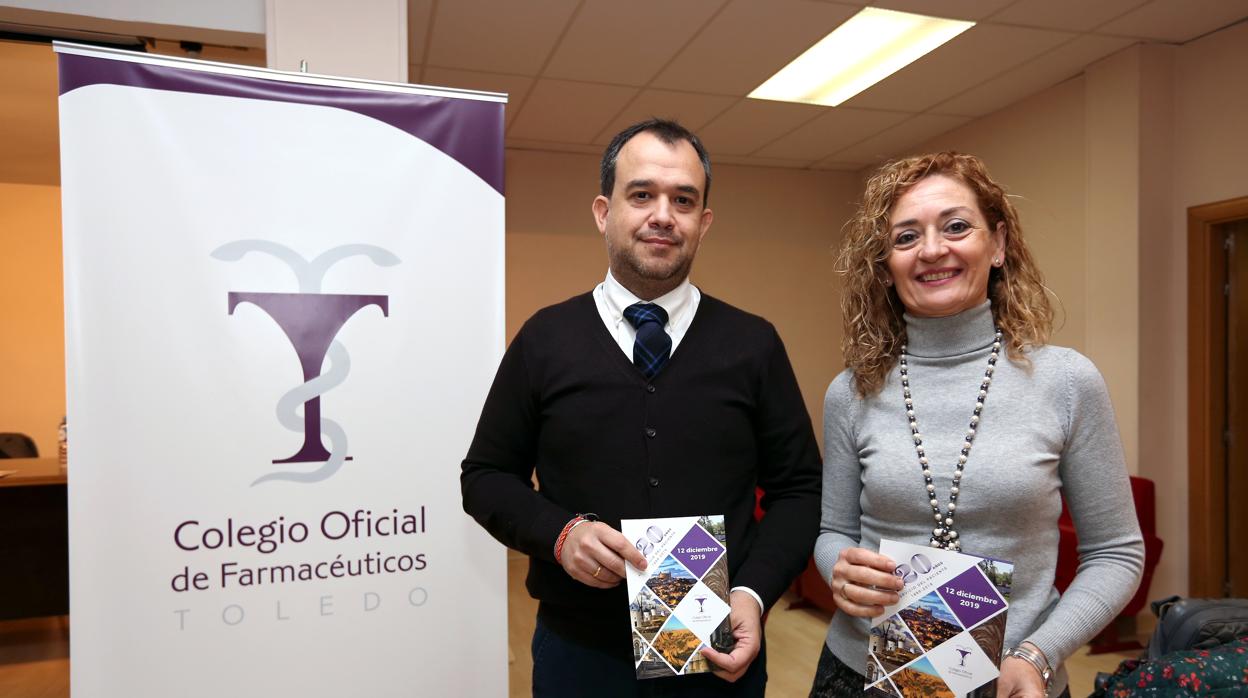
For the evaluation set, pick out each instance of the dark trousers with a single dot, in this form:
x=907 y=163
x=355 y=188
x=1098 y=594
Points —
x=564 y=669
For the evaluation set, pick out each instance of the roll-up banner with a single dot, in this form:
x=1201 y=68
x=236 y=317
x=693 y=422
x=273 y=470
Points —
x=283 y=309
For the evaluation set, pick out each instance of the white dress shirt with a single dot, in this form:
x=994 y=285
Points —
x=681 y=304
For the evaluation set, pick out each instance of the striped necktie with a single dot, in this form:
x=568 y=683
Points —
x=653 y=346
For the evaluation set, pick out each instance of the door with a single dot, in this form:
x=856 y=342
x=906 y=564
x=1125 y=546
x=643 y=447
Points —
x=1236 y=242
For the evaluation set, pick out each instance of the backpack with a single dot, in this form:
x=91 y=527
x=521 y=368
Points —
x=1194 y=624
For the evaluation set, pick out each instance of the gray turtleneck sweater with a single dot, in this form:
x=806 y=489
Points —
x=1045 y=430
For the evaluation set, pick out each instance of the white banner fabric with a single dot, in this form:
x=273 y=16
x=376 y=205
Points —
x=235 y=260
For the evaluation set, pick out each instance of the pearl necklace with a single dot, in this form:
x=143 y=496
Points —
x=944 y=535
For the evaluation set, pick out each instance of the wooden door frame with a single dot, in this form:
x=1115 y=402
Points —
x=1206 y=400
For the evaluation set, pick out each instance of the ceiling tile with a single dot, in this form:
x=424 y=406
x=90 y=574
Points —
x=693 y=111
x=949 y=9
x=1072 y=15
x=753 y=123
x=516 y=86
x=982 y=52
x=568 y=112
x=836 y=130
x=595 y=48
x=497 y=37
x=1177 y=20
x=1037 y=74
x=419 y=14
x=898 y=139
x=748 y=42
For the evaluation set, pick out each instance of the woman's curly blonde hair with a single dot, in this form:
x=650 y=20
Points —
x=872 y=311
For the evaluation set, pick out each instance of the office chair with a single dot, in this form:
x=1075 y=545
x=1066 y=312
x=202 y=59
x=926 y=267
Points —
x=16 y=445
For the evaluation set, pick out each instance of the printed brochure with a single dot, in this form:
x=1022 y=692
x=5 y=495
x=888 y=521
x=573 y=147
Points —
x=945 y=636
x=679 y=605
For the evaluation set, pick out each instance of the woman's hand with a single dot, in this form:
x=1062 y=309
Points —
x=1019 y=679
x=863 y=582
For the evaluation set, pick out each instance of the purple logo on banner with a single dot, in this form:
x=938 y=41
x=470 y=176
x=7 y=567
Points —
x=971 y=597
x=697 y=550
x=311 y=321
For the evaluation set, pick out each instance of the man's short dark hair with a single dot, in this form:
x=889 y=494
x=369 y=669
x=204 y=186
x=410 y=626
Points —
x=665 y=130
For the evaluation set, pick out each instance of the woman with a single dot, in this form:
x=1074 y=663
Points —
x=954 y=411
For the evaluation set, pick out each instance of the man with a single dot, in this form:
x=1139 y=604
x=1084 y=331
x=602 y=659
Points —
x=644 y=398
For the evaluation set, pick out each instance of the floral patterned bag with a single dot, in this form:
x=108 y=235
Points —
x=1220 y=671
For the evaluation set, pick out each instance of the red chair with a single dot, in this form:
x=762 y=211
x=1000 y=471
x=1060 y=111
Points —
x=813 y=590
x=1142 y=492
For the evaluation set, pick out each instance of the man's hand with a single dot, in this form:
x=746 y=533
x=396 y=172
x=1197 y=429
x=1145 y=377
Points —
x=747 y=629
x=1019 y=679
x=594 y=554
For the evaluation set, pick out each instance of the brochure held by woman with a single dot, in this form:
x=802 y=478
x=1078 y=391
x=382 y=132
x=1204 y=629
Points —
x=945 y=635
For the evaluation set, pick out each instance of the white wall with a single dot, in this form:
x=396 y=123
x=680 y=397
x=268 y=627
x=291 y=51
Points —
x=226 y=15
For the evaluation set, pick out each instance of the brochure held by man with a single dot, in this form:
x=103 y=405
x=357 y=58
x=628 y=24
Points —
x=678 y=605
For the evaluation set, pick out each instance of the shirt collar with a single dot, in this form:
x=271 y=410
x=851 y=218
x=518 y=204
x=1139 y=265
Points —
x=676 y=301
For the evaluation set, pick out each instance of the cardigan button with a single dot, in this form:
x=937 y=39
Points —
x=654 y=482
x=651 y=432
x=650 y=388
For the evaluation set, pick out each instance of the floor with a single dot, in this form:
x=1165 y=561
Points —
x=34 y=654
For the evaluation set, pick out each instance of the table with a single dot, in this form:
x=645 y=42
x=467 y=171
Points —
x=34 y=539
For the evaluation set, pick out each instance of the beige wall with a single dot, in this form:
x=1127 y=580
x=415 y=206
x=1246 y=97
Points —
x=770 y=249
x=1209 y=155
x=1035 y=148
x=32 y=343
x=1106 y=165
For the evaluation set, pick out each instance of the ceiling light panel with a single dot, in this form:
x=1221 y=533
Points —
x=870 y=46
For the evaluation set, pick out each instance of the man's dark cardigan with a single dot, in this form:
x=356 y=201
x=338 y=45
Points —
x=723 y=416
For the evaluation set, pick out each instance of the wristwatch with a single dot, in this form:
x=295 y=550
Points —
x=1037 y=660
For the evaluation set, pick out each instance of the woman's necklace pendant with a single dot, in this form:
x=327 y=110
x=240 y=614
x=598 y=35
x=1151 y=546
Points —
x=944 y=535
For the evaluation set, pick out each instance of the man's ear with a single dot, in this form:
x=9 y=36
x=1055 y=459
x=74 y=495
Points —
x=704 y=225
x=600 y=208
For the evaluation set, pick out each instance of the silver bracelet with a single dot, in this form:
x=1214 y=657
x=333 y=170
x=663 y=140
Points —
x=1037 y=660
